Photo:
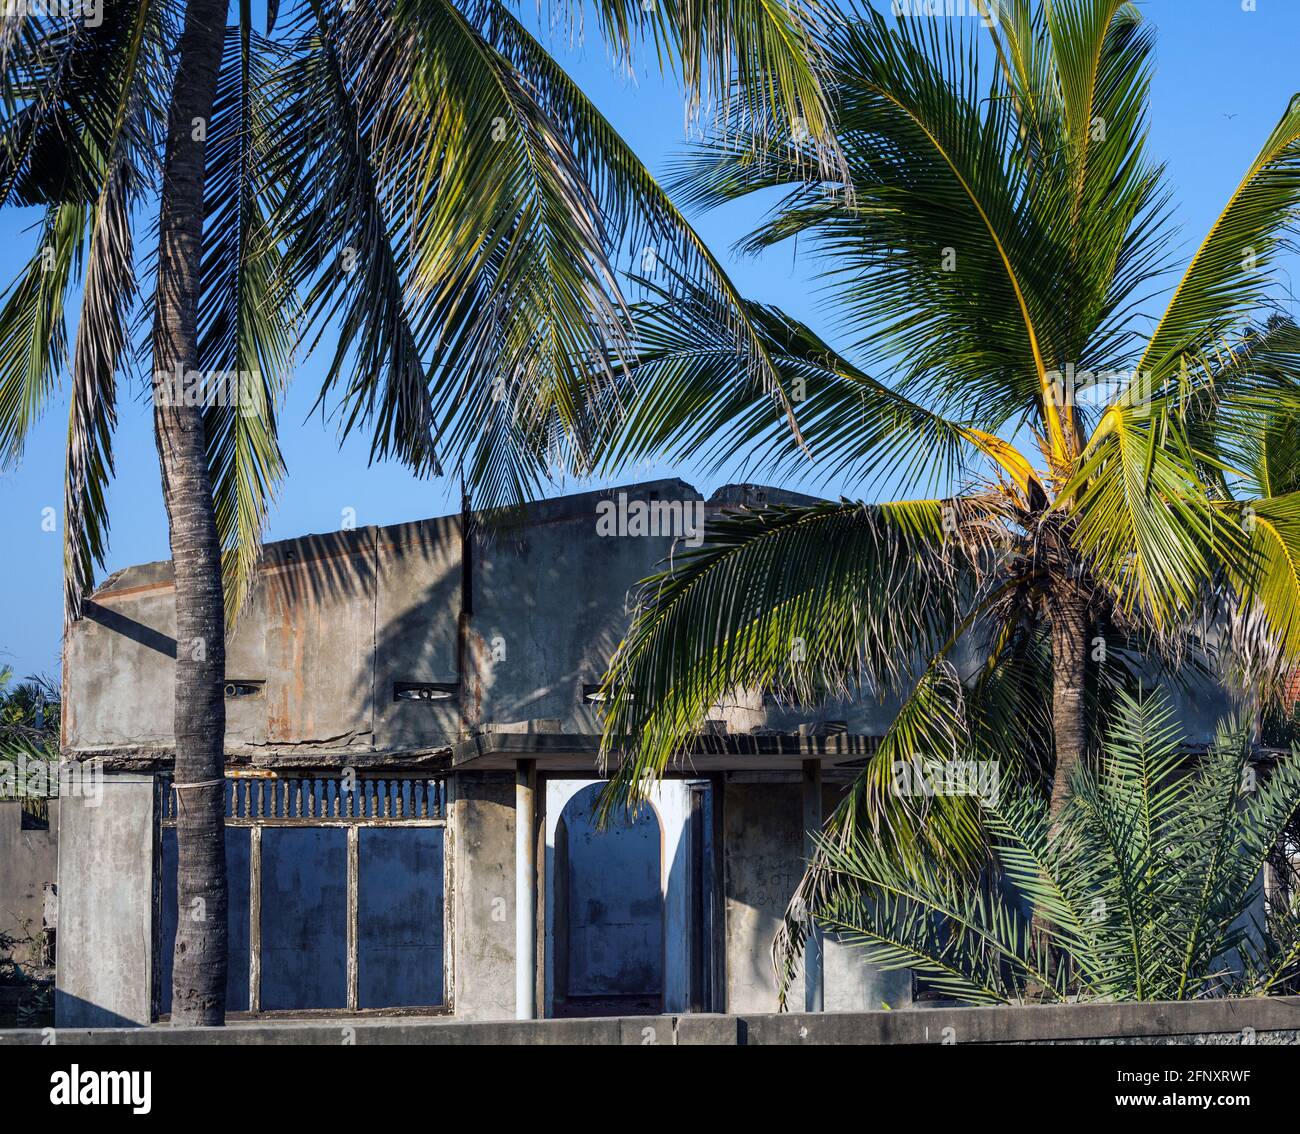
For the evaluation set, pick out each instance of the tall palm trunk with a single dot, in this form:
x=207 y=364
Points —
x=1068 y=610
x=199 y=974
x=1069 y=614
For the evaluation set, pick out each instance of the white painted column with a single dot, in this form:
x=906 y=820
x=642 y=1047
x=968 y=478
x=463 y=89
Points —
x=526 y=890
x=814 y=972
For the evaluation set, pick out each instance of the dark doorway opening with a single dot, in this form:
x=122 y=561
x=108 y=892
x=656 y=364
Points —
x=609 y=928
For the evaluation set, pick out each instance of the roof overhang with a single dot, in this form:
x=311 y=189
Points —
x=579 y=752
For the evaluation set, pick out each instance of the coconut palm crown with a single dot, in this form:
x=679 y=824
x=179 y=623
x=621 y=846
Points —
x=418 y=181
x=1092 y=423
x=215 y=189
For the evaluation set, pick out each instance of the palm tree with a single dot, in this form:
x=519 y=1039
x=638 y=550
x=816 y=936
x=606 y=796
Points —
x=1148 y=880
x=1092 y=480
x=419 y=176
x=29 y=735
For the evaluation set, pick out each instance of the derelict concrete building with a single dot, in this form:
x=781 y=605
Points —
x=411 y=777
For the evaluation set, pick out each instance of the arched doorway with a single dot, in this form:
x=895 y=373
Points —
x=609 y=912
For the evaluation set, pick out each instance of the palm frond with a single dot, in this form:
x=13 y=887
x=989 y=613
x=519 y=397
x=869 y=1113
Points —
x=764 y=53
x=690 y=396
x=1228 y=276
x=247 y=317
x=861 y=592
x=1144 y=518
x=121 y=130
x=1143 y=890
x=343 y=252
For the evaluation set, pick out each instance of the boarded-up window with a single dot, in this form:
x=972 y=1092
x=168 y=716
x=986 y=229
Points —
x=337 y=894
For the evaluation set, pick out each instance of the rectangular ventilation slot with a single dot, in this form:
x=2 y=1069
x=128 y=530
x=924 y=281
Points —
x=240 y=687
x=594 y=695
x=425 y=690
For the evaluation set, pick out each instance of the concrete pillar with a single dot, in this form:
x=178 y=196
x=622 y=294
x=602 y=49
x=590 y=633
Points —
x=814 y=976
x=483 y=819
x=525 y=890
x=104 y=975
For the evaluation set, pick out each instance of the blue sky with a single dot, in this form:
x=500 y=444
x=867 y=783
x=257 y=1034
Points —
x=1224 y=76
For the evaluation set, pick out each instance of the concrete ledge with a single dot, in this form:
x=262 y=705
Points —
x=1262 y=1021
x=1063 y=1023
x=423 y=1031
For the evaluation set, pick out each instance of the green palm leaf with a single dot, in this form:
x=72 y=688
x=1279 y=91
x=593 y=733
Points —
x=247 y=331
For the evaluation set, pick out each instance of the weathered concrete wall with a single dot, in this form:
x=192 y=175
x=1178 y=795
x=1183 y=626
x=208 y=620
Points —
x=307 y=636
x=553 y=591
x=106 y=909
x=764 y=861
x=417 y=603
x=853 y=985
x=335 y=620
x=483 y=889
x=1257 y=1020
x=118 y=662
x=28 y=860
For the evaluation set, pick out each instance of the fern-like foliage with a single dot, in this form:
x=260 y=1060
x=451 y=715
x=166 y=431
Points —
x=1148 y=888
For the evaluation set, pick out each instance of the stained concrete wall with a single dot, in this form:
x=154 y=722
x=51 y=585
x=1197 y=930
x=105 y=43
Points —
x=483 y=896
x=764 y=861
x=417 y=601
x=104 y=975
x=334 y=620
x=28 y=860
x=307 y=634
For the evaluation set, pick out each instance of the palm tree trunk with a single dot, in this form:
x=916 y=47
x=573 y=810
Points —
x=199 y=973
x=1069 y=615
